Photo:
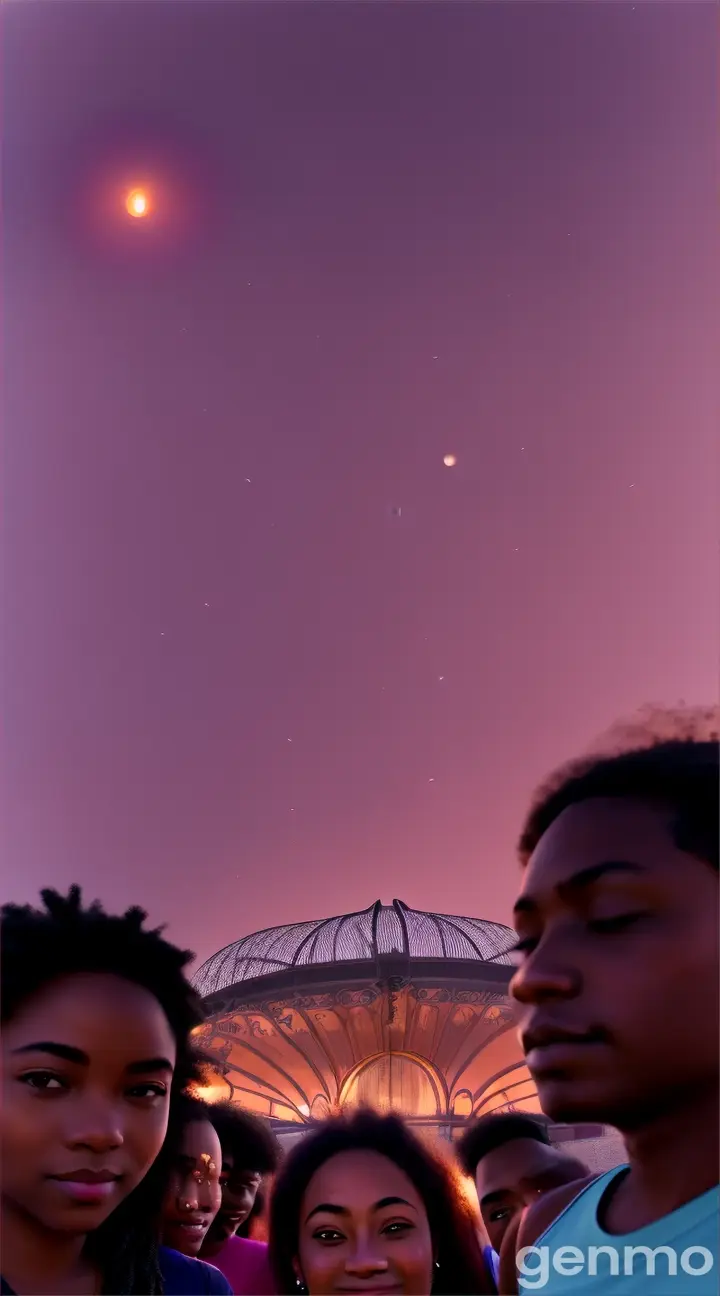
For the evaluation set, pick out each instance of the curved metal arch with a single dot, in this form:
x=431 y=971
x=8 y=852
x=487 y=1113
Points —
x=287 y=1038
x=461 y=1093
x=280 y=1071
x=399 y=908
x=506 y=1089
x=263 y=1084
x=376 y=908
x=313 y=1030
x=435 y=1077
x=474 y=1053
x=497 y=1076
x=336 y=937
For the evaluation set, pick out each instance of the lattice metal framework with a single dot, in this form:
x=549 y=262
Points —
x=379 y=930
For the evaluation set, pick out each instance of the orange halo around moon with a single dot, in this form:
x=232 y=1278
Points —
x=137 y=204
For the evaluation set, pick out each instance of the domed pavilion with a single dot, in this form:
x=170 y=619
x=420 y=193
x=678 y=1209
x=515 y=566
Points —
x=391 y=1006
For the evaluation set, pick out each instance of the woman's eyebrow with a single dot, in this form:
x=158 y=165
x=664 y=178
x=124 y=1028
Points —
x=64 y=1051
x=327 y=1208
x=150 y=1064
x=392 y=1201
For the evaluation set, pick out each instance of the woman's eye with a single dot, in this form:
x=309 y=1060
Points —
x=147 y=1091
x=328 y=1235
x=500 y=1214
x=398 y=1226
x=43 y=1080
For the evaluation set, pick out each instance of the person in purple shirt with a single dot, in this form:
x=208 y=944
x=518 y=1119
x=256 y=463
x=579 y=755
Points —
x=249 y=1152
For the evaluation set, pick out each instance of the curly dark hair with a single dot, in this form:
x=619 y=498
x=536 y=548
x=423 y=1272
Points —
x=681 y=773
x=494 y=1131
x=461 y=1269
x=250 y=1141
x=39 y=946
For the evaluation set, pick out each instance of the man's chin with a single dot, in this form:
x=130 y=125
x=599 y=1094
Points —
x=570 y=1103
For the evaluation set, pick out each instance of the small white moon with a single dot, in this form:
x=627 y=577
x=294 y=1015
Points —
x=450 y=460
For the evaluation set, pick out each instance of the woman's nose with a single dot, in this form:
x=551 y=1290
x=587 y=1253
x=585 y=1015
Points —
x=96 y=1127
x=365 y=1261
x=188 y=1195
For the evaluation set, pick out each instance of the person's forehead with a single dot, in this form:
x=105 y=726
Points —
x=600 y=830
x=199 y=1139
x=98 y=1013
x=503 y=1169
x=357 y=1179
x=240 y=1175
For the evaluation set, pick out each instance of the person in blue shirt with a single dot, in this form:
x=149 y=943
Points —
x=96 y=1020
x=184 y=1276
x=617 y=989
x=512 y=1162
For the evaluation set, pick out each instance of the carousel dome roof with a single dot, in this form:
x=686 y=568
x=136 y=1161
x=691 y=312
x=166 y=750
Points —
x=376 y=931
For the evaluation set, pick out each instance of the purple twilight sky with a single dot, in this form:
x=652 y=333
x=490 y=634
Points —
x=266 y=657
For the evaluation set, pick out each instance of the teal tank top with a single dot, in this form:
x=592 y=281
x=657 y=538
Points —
x=674 y=1256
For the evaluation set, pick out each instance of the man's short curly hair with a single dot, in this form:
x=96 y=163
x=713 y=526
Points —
x=676 y=766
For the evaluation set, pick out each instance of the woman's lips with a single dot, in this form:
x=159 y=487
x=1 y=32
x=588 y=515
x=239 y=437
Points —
x=88 y=1194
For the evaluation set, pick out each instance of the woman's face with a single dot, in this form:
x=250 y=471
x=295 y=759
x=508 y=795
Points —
x=364 y=1228
x=193 y=1197
x=87 y=1067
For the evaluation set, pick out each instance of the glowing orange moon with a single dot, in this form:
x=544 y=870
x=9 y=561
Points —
x=137 y=204
x=450 y=461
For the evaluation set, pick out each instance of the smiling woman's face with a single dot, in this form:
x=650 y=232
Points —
x=363 y=1227
x=193 y=1197
x=87 y=1067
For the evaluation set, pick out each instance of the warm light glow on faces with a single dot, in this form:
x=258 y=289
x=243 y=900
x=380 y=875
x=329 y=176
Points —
x=137 y=203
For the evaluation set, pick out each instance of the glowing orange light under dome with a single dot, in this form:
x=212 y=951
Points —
x=137 y=203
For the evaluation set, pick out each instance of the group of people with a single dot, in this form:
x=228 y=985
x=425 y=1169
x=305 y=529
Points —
x=118 y=1179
